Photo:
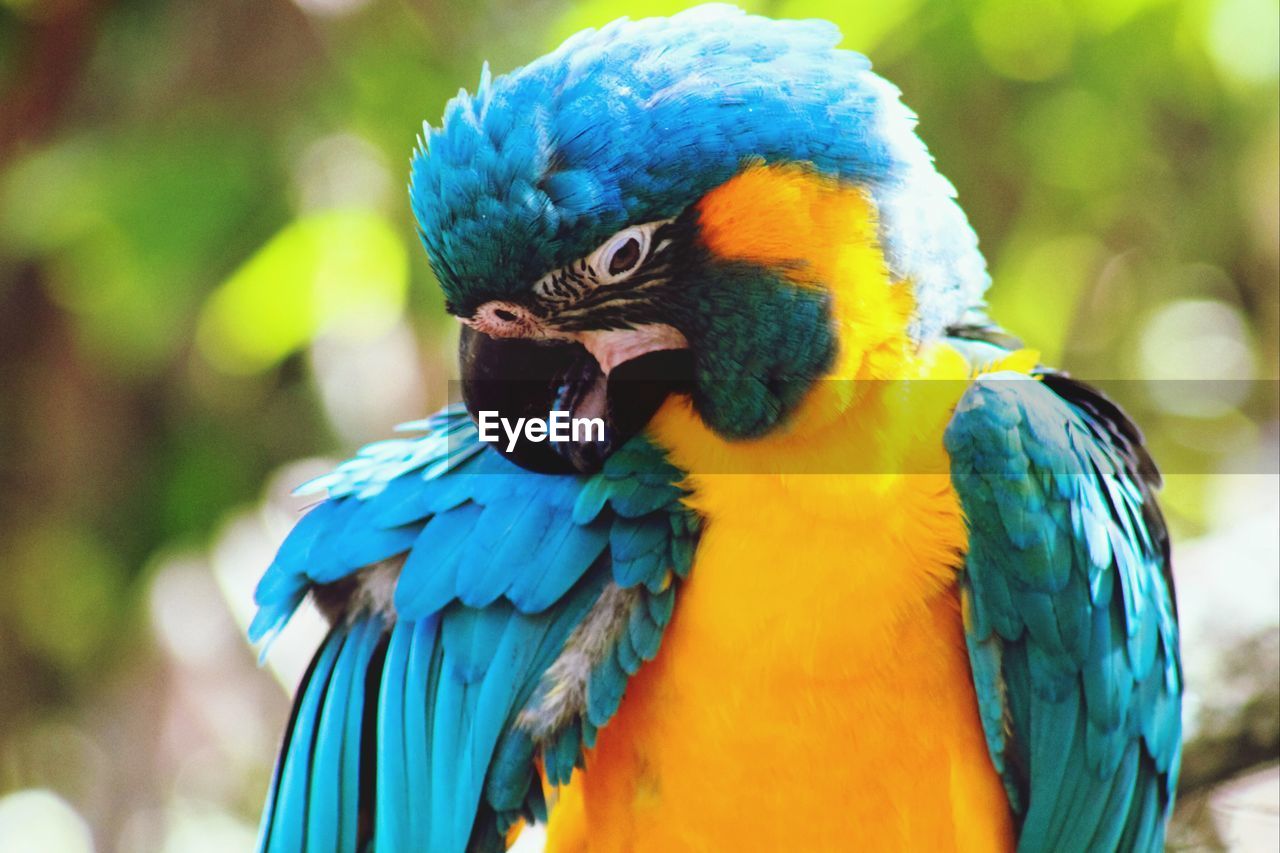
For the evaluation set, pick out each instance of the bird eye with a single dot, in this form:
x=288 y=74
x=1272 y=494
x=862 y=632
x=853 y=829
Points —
x=621 y=255
x=625 y=257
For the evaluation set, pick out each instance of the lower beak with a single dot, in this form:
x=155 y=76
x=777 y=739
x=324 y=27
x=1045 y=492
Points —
x=512 y=384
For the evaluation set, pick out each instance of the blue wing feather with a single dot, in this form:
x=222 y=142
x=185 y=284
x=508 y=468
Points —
x=405 y=732
x=324 y=799
x=392 y=815
x=429 y=576
x=353 y=739
x=567 y=548
x=515 y=528
x=424 y=670
x=288 y=827
x=1070 y=620
x=332 y=800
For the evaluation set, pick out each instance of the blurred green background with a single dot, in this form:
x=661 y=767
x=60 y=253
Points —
x=210 y=289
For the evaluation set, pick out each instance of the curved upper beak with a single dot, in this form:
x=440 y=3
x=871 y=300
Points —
x=565 y=402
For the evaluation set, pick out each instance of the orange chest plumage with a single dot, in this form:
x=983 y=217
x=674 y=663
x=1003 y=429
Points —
x=813 y=691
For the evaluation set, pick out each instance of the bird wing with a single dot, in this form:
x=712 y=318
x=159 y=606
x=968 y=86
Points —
x=1069 y=611
x=482 y=617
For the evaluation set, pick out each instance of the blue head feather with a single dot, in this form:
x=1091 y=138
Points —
x=636 y=121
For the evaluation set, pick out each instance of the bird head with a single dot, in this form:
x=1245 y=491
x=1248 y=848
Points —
x=716 y=205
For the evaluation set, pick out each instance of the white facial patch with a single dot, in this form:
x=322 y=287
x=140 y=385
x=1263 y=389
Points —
x=617 y=346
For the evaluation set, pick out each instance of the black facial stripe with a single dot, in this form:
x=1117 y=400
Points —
x=598 y=310
x=617 y=314
x=635 y=283
x=573 y=296
x=669 y=231
x=614 y=307
x=641 y=292
x=563 y=286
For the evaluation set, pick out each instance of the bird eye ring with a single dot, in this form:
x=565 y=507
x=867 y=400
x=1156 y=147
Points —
x=621 y=254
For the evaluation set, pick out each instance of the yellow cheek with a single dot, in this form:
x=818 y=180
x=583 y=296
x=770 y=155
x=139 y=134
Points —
x=817 y=232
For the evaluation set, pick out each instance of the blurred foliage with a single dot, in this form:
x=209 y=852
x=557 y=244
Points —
x=203 y=223
x=339 y=271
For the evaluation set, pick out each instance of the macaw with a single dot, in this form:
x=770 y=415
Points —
x=847 y=568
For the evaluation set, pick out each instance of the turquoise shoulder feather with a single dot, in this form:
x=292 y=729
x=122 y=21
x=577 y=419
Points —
x=1069 y=610
x=482 y=616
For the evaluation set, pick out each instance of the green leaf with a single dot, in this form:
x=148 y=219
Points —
x=344 y=273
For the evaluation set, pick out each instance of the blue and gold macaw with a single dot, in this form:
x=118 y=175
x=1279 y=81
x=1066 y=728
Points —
x=847 y=569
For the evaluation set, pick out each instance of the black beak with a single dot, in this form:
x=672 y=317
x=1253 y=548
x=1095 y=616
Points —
x=506 y=379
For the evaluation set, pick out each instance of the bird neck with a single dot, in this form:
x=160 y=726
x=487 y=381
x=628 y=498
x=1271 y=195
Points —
x=888 y=426
x=878 y=397
x=818 y=234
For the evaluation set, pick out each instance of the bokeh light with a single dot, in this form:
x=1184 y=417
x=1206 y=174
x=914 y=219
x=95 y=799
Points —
x=37 y=821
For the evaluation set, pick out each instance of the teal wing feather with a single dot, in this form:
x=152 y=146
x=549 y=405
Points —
x=409 y=728
x=1070 y=617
